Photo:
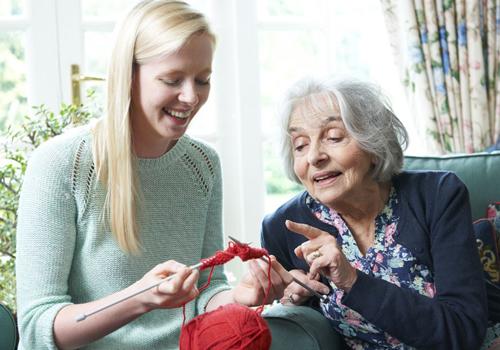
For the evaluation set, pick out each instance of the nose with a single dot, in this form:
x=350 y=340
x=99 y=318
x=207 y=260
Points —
x=316 y=154
x=189 y=94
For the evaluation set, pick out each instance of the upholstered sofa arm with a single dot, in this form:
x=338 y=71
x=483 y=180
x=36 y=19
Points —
x=8 y=331
x=300 y=327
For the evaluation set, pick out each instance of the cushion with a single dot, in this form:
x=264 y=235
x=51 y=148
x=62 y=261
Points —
x=487 y=245
x=487 y=238
x=479 y=171
x=493 y=212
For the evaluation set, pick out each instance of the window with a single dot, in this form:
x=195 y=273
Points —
x=98 y=19
x=13 y=88
x=320 y=38
x=263 y=45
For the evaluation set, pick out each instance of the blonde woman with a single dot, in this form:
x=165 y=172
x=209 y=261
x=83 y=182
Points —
x=101 y=206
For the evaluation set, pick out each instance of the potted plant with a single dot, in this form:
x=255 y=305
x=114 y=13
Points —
x=16 y=145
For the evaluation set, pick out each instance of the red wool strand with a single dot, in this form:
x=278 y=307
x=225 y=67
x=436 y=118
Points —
x=233 y=326
x=244 y=252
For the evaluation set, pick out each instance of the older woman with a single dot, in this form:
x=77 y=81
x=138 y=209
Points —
x=393 y=249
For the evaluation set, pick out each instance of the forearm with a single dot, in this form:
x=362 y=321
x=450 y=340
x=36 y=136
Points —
x=70 y=334
x=450 y=321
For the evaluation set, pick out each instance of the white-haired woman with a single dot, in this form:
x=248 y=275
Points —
x=393 y=249
x=101 y=206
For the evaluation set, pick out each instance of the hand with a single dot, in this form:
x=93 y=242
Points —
x=296 y=294
x=324 y=256
x=177 y=291
x=253 y=286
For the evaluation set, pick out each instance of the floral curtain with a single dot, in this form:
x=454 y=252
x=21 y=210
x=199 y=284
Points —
x=448 y=52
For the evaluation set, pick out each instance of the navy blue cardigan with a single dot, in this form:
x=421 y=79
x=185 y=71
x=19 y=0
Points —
x=435 y=224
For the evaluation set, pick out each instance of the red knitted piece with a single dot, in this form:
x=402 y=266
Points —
x=230 y=327
x=244 y=251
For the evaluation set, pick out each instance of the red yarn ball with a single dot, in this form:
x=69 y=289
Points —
x=229 y=327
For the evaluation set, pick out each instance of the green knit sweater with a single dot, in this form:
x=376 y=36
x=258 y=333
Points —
x=65 y=254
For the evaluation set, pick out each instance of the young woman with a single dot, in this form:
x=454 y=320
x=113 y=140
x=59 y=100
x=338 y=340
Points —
x=101 y=206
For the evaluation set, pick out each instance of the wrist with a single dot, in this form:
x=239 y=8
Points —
x=141 y=302
x=348 y=286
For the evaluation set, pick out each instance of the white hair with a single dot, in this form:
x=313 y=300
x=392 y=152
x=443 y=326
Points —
x=367 y=117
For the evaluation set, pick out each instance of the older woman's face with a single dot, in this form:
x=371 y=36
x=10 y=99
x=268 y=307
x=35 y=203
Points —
x=327 y=160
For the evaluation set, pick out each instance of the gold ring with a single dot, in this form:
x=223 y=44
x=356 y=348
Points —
x=316 y=254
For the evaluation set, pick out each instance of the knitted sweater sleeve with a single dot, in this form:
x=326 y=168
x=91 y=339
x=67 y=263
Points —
x=455 y=318
x=45 y=242
x=213 y=239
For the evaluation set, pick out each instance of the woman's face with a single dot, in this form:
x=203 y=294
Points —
x=167 y=93
x=327 y=160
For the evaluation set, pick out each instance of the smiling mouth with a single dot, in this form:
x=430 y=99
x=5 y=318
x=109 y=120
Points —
x=326 y=178
x=177 y=114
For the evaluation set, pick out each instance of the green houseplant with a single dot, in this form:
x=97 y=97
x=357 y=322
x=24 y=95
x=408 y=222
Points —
x=17 y=144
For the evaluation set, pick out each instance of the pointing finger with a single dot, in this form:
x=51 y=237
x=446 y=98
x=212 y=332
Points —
x=305 y=230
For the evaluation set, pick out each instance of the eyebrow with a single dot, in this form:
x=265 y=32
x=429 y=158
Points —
x=326 y=121
x=177 y=71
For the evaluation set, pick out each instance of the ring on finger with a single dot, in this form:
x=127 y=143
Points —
x=290 y=298
x=314 y=255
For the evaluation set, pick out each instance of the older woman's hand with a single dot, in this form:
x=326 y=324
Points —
x=323 y=255
x=296 y=294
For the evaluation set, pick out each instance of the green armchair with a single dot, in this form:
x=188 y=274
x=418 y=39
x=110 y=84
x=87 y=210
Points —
x=300 y=327
x=8 y=333
x=479 y=171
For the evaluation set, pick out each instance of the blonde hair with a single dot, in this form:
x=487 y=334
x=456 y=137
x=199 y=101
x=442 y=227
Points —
x=153 y=28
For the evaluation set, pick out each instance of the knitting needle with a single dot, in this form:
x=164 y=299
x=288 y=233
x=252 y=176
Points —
x=322 y=297
x=82 y=317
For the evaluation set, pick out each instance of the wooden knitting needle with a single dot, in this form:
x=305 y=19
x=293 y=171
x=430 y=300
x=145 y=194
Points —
x=82 y=317
x=322 y=297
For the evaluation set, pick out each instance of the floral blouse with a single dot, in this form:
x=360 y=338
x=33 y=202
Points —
x=386 y=260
